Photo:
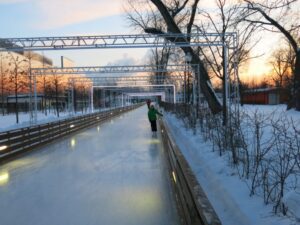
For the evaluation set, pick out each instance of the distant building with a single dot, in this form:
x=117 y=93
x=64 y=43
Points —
x=23 y=102
x=265 y=96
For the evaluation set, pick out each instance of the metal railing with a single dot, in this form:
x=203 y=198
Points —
x=17 y=141
x=194 y=207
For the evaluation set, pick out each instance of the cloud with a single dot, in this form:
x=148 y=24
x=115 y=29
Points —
x=59 y=13
x=125 y=61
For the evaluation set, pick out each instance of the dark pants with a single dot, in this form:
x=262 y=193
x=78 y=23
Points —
x=153 y=125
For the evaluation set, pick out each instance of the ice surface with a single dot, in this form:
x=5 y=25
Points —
x=114 y=173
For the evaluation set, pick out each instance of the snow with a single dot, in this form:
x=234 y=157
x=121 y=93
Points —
x=8 y=122
x=276 y=109
x=292 y=201
x=228 y=194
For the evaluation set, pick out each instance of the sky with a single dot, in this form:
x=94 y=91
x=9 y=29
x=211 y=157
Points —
x=34 y=18
x=39 y=18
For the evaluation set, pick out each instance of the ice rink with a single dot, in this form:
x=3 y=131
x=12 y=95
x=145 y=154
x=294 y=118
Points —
x=113 y=173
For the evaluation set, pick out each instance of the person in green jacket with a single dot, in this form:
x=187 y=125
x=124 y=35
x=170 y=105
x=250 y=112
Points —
x=152 y=117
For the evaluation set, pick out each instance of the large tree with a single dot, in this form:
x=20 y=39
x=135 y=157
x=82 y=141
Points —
x=176 y=16
x=221 y=21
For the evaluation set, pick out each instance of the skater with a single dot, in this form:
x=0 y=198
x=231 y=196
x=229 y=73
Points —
x=152 y=117
x=148 y=103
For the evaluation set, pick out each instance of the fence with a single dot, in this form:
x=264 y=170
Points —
x=21 y=140
x=194 y=207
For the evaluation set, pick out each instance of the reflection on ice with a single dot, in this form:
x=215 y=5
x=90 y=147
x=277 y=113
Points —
x=140 y=201
x=154 y=141
x=73 y=143
x=4 y=178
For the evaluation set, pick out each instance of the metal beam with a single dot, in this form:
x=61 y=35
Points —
x=110 y=41
x=140 y=86
x=128 y=79
x=109 y=69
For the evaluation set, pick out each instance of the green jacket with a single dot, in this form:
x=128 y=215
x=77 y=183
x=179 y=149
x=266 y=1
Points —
x=152 y=114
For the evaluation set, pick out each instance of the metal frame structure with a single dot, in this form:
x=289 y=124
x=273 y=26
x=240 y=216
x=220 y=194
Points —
x=112 y=41
x=123 y=41
x=95 y=75
x=109 y=69
x=126 y=86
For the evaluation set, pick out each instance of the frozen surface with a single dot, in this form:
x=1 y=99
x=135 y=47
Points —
x=111 y=174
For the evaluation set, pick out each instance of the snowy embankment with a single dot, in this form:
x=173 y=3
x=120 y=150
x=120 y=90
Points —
x=229 y=195
x=8 y=122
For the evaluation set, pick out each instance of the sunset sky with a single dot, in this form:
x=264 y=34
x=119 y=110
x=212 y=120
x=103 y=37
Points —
x=30 y=18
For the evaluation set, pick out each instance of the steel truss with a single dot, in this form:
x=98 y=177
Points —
x=127 y=79
x=114 y=41
x=134 y=87
x=109 y=69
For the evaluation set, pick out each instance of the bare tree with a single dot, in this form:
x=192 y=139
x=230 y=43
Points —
x=4 y=80
x=56 y=84
x=265 y=15
x=44 y=82
x=221 y=21
x=280 y=62
x=177 y=15
x=17 y=72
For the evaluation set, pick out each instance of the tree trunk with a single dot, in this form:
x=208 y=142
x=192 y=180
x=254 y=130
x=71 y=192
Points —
x=297 y=80
x=2 y=97
x=56 y=100
x=16 y=106
x=205 y=85
x=202 y=74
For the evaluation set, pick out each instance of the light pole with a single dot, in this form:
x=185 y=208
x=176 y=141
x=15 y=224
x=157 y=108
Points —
x=188 y=59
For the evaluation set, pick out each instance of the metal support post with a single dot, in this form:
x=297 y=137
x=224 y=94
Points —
x=35 y=100
x=31 y=119
x=184 y=86
x=72 y=98
x=92 y=99
x=226 y=80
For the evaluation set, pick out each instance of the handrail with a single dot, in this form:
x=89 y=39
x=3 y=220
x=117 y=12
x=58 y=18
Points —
x=194 y=206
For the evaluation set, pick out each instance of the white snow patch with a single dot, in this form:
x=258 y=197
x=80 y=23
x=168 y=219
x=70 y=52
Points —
x=227 y=193
x=292 y=201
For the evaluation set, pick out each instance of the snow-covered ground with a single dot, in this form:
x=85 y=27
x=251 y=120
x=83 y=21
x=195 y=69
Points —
x=8 y=122
x=228 y=194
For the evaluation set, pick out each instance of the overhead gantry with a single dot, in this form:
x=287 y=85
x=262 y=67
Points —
x=118 y=41
x=228 y=41
x=99 y=77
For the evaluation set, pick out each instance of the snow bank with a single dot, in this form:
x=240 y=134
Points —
x=292 y=201
x=228 y=194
